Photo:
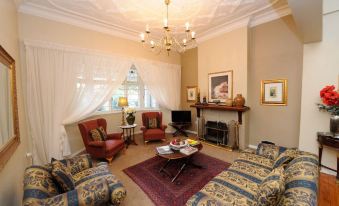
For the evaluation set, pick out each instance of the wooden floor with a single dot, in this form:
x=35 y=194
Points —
x=328 y=191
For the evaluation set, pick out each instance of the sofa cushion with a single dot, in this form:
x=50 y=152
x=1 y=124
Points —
x=272 y=188
x=78 y=163
x=62 y=175
x=152 y=123
x=301 y=184
x=98 y=134
x=285 y=157
x=269 y=151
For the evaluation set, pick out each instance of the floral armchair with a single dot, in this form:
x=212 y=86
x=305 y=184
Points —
x=93 y=185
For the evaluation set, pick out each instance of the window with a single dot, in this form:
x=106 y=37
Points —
x=136 y=92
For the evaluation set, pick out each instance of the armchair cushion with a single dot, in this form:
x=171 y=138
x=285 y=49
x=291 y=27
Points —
x=62 y=175
x=152 y=123
x=98 y=134
x=113 y=145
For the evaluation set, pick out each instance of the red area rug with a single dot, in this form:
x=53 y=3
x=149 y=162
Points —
x=159 y=187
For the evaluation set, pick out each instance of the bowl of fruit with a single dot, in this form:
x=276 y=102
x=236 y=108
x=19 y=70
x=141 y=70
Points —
x=177 y=144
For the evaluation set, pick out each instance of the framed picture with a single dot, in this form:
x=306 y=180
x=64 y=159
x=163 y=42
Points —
x=192 y=93
x=274 y=92
x=220 y=86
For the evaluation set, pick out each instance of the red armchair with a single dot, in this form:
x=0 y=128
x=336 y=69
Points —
x=153 y=134
x=101 y=149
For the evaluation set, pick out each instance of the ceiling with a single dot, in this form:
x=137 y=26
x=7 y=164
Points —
x=127 y=18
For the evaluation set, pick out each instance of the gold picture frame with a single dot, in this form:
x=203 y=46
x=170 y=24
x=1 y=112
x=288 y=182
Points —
x=215 y=80
x=8 y=149
x=191 y=93
x=273 y=92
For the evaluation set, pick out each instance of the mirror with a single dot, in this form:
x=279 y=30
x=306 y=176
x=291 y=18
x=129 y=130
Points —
x=9 y=123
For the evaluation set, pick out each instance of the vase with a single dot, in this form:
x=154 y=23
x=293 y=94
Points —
x=334 y=124
x=239 y=101
x=130 y=119
x=229 y=102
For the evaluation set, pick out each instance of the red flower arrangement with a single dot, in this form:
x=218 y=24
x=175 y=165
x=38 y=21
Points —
x=330 y=99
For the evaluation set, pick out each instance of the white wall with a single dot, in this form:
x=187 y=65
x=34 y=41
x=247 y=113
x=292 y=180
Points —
x=321 y=68
x=11 y=176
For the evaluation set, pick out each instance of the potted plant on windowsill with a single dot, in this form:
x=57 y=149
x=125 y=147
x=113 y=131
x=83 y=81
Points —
x=130 y=116
x=330 y=103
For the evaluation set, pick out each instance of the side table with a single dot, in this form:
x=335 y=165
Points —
x=128 y=132
x=327 y=139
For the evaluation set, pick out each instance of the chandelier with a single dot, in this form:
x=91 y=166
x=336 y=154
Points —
x=169 y=42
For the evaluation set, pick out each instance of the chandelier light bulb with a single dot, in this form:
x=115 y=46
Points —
x=152 y=44
x=193 y=35
x=187 y=26
x=142 y=36
x=147 y=29
x=166 y=23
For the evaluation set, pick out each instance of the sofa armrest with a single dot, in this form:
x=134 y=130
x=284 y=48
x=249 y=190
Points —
x=249 y=150
x=114 y=136
x=163 y=127
x=97 y=144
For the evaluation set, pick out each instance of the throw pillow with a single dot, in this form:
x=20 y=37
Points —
x=98 y=134
x=269 y=151
x=152 y=123
x=271 y=188
x=62 y=175
x=285 y=157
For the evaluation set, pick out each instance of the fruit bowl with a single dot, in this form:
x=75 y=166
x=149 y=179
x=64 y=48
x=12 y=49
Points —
x=179 y=146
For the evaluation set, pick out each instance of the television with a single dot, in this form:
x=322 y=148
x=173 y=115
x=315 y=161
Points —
x=181 y=116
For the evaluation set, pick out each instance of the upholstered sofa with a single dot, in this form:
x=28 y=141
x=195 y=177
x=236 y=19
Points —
x=93 y=185
x=242 y=183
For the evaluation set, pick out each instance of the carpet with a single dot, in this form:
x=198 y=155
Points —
x=159 y=187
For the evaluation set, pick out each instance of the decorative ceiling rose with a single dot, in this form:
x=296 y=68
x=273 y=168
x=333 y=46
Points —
x=168 y=42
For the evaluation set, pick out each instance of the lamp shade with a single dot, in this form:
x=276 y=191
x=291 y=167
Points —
x=122 y=102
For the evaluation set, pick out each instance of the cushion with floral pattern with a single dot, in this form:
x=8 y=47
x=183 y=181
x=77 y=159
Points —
x=62 y=175
x=271 y=188
x=98 y=134
x=285 y=157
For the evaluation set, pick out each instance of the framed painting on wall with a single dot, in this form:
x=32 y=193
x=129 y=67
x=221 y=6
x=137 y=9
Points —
x=220 y=86
x=192 y=93
x=274 y=92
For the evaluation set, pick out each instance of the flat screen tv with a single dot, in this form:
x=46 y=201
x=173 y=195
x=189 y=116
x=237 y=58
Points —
x=181 y=116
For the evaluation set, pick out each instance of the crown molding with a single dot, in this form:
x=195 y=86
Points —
x=270 y=16
x=122 y=32
x=63 y=17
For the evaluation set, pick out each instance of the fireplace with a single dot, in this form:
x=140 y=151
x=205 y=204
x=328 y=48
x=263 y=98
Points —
x=216 y=132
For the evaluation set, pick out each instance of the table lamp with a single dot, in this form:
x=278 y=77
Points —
x=123 y=102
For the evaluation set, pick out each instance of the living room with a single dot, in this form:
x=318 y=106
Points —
x=277 y=57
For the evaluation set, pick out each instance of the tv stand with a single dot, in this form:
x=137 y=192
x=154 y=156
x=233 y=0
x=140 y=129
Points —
x=180 y=128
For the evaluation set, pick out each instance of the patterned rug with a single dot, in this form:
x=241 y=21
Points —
x=159 y=187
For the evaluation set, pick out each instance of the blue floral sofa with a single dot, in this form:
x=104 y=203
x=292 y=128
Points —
x=92 y=185
x=270 y=175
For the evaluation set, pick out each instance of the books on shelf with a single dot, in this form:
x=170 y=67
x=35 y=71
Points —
x=164 y=150
x=188 y=150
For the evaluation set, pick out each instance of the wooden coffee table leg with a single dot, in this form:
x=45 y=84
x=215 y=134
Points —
x=179 y=172
x=163 y=168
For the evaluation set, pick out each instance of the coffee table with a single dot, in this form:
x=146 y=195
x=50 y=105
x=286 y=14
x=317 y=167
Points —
x=177 y=157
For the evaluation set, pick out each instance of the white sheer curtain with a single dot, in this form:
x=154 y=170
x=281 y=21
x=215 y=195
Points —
x=163 y=80
x=62 y=86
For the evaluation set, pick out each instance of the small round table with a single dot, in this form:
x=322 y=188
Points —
x=128 y=132
x=177 y=155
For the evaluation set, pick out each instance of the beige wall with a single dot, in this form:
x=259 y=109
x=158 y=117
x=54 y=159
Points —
x=225 y=52
x=321 y=68
x=11 y=176
x=275 y=52
x=31 y=28
x=189 y=77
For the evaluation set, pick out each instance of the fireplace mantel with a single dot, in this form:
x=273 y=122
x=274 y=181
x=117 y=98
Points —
x=240 y=110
